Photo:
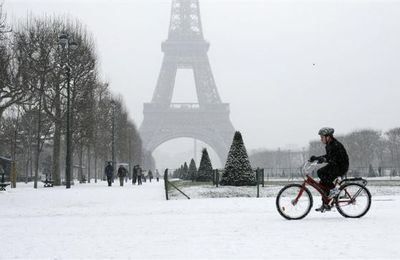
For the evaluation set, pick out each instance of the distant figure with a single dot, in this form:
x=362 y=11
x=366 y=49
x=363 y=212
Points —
x=109 y=170
x=128 y=175
x=144 y=176
x=121 y=175
x=134 y=174
x=157 y=175
x=139 y=175
x=150 y=175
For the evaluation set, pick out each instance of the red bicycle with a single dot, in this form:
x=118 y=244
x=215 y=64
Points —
x=294 y=201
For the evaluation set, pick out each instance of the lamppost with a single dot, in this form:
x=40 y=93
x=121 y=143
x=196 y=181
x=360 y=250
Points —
x=67 y=44
x=113 y=134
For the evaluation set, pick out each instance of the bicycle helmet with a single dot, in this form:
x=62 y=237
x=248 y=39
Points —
x=325 y=131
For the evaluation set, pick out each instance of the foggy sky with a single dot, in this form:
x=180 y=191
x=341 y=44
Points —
x=287 y=68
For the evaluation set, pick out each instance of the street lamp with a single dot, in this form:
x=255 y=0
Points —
x=113 y=134
x=67 y=44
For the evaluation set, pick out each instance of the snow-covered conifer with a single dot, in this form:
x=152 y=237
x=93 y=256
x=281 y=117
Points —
x=192 y=170
x=185 y=172
x=205 y=169
x=238 y=170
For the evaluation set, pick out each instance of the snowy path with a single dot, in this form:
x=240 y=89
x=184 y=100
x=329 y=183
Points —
x=95 y=221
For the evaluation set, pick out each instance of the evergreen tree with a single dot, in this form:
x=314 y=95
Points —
x=205 y=172
x=180 y=175
x=238 y=171
x=176 y=173
x=192 y=170
x=185 y=172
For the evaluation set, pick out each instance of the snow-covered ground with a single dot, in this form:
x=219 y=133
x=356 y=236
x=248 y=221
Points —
x=96 y=221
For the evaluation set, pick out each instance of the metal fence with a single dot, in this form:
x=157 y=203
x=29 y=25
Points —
x=273 y=179
x=291 y=173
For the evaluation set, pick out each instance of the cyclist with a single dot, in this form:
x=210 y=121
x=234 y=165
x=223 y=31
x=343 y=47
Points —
x=337 y=163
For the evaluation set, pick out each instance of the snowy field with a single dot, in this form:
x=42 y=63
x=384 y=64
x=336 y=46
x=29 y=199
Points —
x=96 y=221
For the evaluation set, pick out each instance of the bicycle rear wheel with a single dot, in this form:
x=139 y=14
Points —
x=292 y=206
x=353 y=201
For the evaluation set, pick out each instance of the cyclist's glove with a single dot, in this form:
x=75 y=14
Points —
x=319 y=159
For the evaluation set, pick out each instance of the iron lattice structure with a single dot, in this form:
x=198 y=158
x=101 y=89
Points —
x=208 y=120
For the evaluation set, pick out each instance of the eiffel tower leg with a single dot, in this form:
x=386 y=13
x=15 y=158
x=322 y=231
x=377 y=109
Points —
x=166 y=81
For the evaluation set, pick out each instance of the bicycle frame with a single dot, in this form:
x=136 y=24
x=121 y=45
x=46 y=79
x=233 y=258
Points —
x=308 y=180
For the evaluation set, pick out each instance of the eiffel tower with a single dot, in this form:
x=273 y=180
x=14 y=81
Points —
x=208 y=120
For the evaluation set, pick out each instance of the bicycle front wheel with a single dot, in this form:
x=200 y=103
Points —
x=353 y=201
x=294 y=201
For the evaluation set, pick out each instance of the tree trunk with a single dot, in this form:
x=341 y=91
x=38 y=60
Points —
x=57 y=142
x=2 y=109
x=95 y=166
x=80 y=163
x=26 y=169
x=39 y=129
x=88 y=163
x=31 y=164
x=56 y=153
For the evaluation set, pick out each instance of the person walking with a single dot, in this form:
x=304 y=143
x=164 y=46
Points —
x=144 y=176
x=139 y=175
x=134 y=174
x=157 y=175
x=150 y=175
x=121 y=175
x=109 y=170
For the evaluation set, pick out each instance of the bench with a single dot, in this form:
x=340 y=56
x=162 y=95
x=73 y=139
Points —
x=3 y=185
x=47 y=183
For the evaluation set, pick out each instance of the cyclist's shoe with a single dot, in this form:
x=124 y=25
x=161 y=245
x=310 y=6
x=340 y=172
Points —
x=324 y=207
x=333 y=193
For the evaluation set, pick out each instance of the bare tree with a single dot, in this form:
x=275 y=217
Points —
x=363 y=147
x=101 y=99
x=40 y=55
x=393 y=142
x=32 y=76
x=13 y=89
x=35 y=50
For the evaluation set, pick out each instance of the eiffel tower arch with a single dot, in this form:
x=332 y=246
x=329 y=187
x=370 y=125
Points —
x=208 y=120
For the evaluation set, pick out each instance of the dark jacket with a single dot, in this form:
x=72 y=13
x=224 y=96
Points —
x=109 y=170
x=336 y=156
x=121 y=172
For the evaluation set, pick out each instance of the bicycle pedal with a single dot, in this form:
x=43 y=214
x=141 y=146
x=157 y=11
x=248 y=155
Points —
x=323 y=208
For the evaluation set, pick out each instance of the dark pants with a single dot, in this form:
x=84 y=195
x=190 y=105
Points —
x=139 y=180
x=327 y=175
x=109 y=180
x=134 y=179
x=121 y=181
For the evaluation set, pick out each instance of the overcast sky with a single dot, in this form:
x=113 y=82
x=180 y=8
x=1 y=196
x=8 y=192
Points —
x=287 y=68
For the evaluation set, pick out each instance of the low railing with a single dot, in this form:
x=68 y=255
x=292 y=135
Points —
x=167 y=182
x=184 y=105
x=160 y=107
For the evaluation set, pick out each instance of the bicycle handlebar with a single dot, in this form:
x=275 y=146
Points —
x=308 y=167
